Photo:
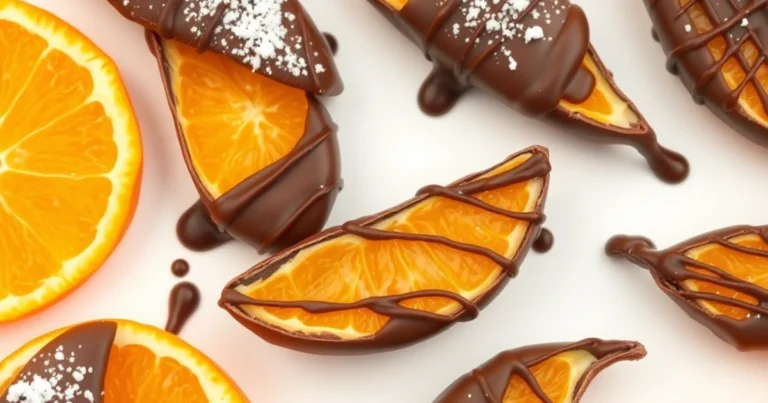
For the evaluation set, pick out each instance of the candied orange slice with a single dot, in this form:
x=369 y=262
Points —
x=70 y=159
x=557 y=377
x=145 y=364
x=343 y=268
x=732 y=71
x=235 y=123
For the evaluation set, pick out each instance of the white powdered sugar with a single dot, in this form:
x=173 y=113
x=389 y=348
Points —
x=57 y=383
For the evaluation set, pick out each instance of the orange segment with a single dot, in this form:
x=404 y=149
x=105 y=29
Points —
x=732 y=71
x=750 y=268
x=604 y=105
x=557 y=377
x=146 y=365
x=396 y=4
x=70 y=159
x=235 y=122
x=348 y=268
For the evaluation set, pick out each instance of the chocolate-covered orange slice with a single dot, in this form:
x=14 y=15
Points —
x=113 y=361
x=719 y=279
x=533 y=54
x=400 y=276
x=276 y=38
x=547 y=373
x=263 y=155
x=718 y=49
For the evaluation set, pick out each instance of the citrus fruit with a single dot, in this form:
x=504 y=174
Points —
x=733 y=71
x=145 y=364
x=749 y=268
x=235 y=122
x=340 y=267
x=70 y=159
x=557 y=377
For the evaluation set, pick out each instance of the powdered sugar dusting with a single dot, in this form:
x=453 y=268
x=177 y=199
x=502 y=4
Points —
x=57 y=383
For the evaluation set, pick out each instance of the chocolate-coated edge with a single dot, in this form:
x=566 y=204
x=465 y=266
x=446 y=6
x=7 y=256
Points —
x=327 y=83
x=386 y=338
x=490 y=381
x=249 y=224
x=745 y=335
x=668 y=32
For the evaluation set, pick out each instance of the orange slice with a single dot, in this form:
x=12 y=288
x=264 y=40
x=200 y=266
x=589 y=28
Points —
x=732 y=71
x=557 y=377
x=348 y=268
x=146 y=364
x=750 y=268
x=235 y=123
x=70 y=159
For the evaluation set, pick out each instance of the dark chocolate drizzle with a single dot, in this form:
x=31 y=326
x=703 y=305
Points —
x=534 y=167
x=180 y=267
x=670 y=268
x=91 y=344
x=493 y=377
x=544 y=241
x=718 y=12
x=182 y=303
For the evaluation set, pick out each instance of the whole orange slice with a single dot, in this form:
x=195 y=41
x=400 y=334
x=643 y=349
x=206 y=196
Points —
x=347 y=269
x=70 y=159
x=145 y=364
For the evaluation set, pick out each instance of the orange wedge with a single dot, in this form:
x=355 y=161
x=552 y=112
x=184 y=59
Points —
x=70 y=159
x=732 y=71
x=145 y=364
x=342 y=268
x=557 y=376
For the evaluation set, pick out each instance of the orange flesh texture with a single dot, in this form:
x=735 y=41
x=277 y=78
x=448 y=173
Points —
x=142 y=368
x=58 y=159
x=349 y=268
x=749 y=268
x=235 y=122
x=732 y=71
x=557 y=377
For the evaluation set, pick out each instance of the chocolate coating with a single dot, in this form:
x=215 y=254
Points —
x=689 y=56
x=489 y=382
x=182 y=304
x=209 y=33
x=544 y=241
x=669 y=269
x=547 y=71
x=275 y=207
x=87 y=345
x=180 y=268
x=405 y=326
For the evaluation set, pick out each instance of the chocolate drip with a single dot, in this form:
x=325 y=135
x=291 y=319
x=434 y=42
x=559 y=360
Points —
x=333 y=43
x=180 y=268
x=167 y=18
x=671 y=268
x=492 y=379
x=544 y=241
x=83 y=346
x=210 y=28
x=197 y=232
x=536 y=166
x=182 y=303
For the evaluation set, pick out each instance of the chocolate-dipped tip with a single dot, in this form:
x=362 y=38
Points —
x=637 y=249
x=439 y=93
x=197 y=232
x=668 y=165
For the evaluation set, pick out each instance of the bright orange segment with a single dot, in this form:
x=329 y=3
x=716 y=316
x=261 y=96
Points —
x=146 y=364
x=750 y=268
x=732 y=70
x=70 y=159
x=349 y=268
x=557 y=377
x=397 y=4
x=235 y=122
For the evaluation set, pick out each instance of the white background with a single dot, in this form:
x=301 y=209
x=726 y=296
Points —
x=389 y=150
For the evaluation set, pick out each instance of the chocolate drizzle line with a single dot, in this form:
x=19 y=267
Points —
x=671 y=266
x=732 y=51
x=535 y=166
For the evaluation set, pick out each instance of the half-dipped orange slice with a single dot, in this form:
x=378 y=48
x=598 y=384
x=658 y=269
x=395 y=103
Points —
x=535 y=55
x=70 y=159
x=404 y=274
x=113 y=361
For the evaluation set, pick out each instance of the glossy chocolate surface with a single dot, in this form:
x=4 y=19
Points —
x=180 y=268
x=77 y=359
x=277 y=206
x=182 y=304
x=670 y=267
x=689 y=56
x=488 y=383
x=544 y=241
x=546 y=71
x=405 y=326
x=183 y=20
